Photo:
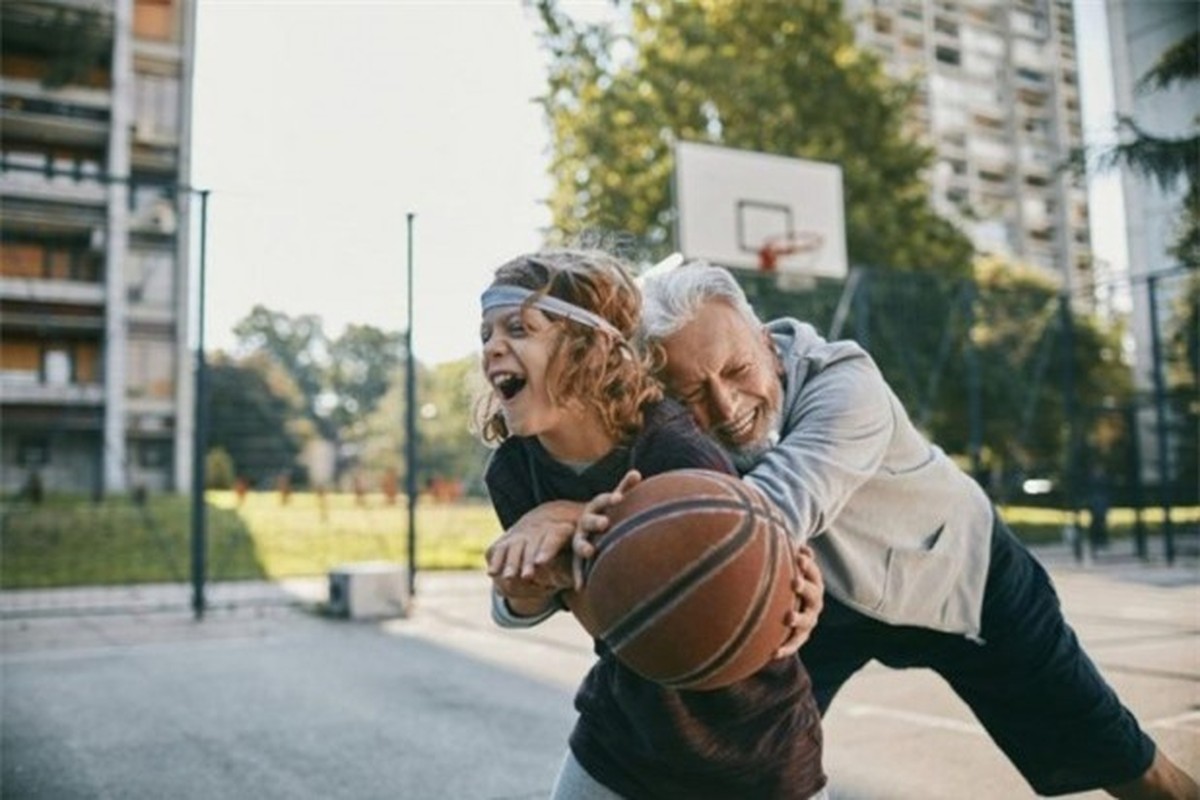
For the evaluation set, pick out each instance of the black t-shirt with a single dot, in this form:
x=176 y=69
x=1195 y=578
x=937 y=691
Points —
x=760 y=737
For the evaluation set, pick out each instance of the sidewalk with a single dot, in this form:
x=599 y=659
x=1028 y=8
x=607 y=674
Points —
x=270 y=701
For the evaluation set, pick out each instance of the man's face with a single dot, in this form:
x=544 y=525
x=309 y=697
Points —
x=725 y=370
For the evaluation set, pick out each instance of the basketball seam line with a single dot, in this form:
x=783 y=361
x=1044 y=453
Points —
x=619 y=531
x=749 y=622
x=652 y=608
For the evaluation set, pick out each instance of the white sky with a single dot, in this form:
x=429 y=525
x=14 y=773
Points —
x=320 y=125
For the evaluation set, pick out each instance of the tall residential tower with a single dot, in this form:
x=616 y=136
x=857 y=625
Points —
x=95 y=370
x=998 y=101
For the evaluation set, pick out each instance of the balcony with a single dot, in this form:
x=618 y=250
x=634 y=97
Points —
x=43 y=218
x=44 y=290
x=43 y=320
x=1036 y=214
x=29 y=176
x=70 y=116
x=18 y=389
x=989 y=151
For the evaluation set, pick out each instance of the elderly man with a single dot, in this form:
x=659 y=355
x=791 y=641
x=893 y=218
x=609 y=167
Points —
x=919 y=569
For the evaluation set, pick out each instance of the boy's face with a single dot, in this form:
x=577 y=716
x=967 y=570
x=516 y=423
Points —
x=726 y=372
x=517 y=348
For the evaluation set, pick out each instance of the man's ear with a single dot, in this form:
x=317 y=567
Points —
x=769 y=343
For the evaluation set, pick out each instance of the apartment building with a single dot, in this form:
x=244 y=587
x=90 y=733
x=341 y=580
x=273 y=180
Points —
x=998 y=100
x=95 y=370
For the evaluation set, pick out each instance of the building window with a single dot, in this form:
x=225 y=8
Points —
x=151 y=368
x=154 y=454
x=948 y=55
x=945 y=26
x=20 y=361
x=61 y=259
x=156 y=107
x=33 y=451
x=150 y=277
x=154 y=19
x=58 y=367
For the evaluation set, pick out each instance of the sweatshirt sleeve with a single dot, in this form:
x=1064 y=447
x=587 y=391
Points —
x=837 y=428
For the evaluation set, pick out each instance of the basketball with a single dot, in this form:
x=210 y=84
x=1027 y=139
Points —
x=691 y=584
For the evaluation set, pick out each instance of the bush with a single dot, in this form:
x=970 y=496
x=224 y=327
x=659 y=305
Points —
x=219 y=469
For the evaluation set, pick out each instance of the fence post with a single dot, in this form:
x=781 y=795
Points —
x=1135 y=480
x=1070 y=409
x=862 y=312
x=974 y=387
x=200 y=431
x=1160 y=420
x=410 y=423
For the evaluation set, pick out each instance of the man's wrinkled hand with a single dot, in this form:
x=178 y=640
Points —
x=593 y=521
x=809 y=588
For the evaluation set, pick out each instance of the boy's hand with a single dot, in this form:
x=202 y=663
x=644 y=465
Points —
x=531 y=559
x=593 y=522
x=809 y=587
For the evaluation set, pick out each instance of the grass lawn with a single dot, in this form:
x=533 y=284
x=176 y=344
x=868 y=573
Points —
x=73 y=542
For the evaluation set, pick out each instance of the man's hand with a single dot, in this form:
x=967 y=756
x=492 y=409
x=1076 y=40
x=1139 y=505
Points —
x=593 y=522
x=531 y=560
x=809 y=587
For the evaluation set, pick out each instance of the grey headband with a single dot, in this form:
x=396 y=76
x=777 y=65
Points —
x=504 y=295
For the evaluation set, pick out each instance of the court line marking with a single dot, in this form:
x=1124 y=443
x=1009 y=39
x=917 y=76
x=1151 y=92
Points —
x=1177 y=722
x=1181 y=722
x=917 y=718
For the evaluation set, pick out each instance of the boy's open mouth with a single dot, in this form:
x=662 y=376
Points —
x=508 y=384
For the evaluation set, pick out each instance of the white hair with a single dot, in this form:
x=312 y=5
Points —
x=672 y=297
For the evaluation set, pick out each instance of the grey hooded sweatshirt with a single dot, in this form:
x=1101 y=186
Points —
x=901 y=533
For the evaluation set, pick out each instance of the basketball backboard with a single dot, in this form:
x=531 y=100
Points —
x=748 y=210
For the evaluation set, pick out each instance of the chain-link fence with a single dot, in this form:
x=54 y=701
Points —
x=305 y=441
x=1085 y=403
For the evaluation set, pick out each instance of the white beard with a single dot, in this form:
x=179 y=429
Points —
x=745 y=456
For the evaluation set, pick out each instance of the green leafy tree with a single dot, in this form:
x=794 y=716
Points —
x=783 y=78
x=339 y=381
x=447 y=447
x=299 y=346
x=253 y=413
x=998 y=339
x=361 y=362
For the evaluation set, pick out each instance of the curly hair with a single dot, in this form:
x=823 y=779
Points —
x=603 y=373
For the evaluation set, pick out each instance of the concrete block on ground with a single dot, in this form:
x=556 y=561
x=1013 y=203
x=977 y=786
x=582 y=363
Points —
x=369 y=590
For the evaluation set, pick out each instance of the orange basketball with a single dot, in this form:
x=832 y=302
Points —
x=692 y=581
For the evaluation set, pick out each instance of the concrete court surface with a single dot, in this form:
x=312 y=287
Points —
x=276 y=702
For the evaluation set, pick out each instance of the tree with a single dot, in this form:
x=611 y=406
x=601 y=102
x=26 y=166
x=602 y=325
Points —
x=783 y=78
x=446 y=444
x=299 y=346
x=339 y=381
x=361 y=361
x=252 y=417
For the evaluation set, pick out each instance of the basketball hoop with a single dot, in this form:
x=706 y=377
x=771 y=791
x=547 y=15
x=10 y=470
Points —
x=792 y=257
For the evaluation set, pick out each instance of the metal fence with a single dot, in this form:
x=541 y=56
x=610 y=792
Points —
x=1082 y=402
x=1030 y=389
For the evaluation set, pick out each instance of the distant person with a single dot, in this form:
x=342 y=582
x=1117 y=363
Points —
x=1098 y=502
x=574 y=409
x=33 y=490
x=920 y=570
